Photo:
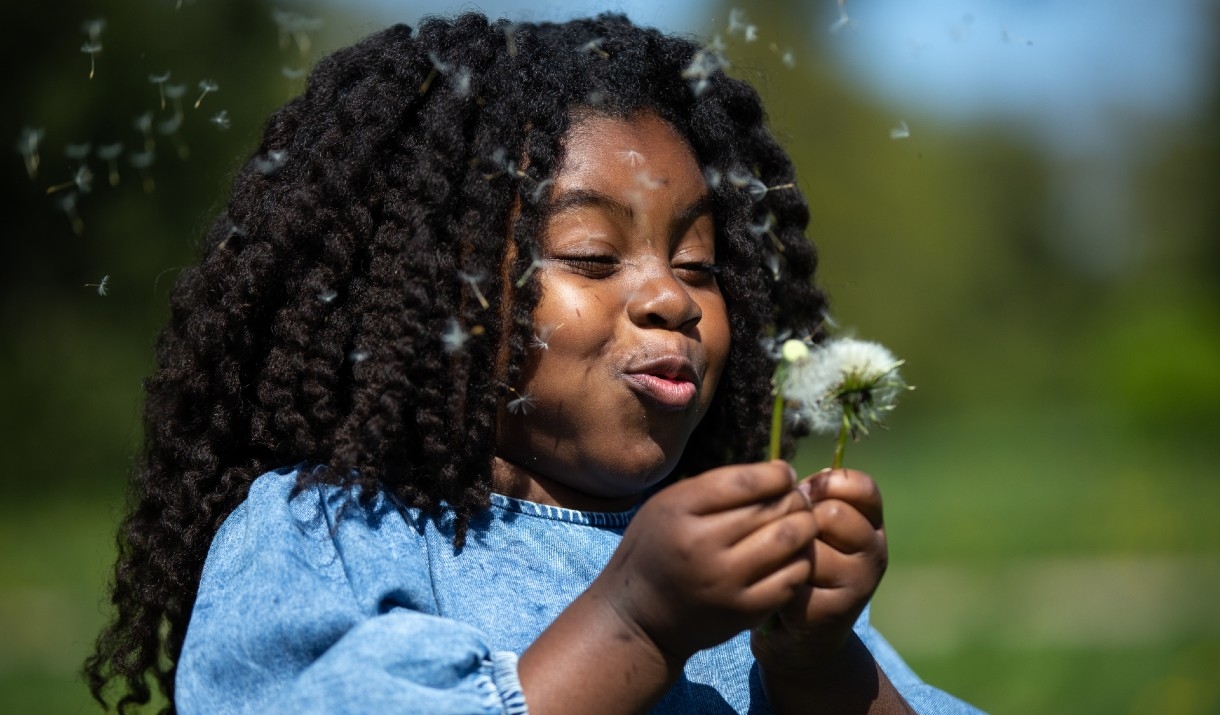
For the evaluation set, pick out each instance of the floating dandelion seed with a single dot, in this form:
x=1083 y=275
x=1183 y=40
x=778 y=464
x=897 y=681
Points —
x=82 y=180
x=595 y=98
x=358 y=356
x=705 y=63
x=712 y=177
x=27 y=147
x=270 y=162
x=540 y=190
x=632 y=157
x=295 y=27
x=438 y=67
x=78 y=152
x=843 y=386
x=594 y=46
x=542 y=338
x=103 y=287
x=175 y=93
x=221 y=120
x=142 y=161
x=292 y=73
x=785 y=56
x=521 y=404
x=160 y=80
x=206 y=87
x=454 y=336
x=93 y=28
x=774 y=265
x=170 y=127
x=510 y=39
x=109 y=153
x=92 y=49
x=902 y=131
x=535 y=264
x=461 y=81
x=328 y=295
x=473 y=279
x=144 y=125
x=67 y=204
x=843 y=20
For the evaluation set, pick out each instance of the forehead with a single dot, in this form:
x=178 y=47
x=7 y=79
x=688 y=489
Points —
x=643 y=151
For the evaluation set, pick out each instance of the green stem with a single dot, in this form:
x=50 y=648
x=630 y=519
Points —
x=841 y=443
x=777 y=424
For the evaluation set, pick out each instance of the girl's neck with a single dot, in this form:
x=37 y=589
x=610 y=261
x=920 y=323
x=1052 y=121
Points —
x=513 y=480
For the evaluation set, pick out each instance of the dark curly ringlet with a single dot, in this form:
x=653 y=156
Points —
x=411 y=171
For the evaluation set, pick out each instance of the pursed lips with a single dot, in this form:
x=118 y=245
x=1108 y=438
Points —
x=670 y=381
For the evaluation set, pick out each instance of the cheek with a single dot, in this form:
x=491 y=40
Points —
x=716 y=335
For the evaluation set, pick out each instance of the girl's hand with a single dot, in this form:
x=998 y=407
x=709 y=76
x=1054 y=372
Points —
x=711 y=556
x=849 y=558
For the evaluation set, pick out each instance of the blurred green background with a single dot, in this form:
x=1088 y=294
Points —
x=1051 y=485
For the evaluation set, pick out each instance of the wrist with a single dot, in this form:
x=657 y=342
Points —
x=593 y=659
x=846 y=681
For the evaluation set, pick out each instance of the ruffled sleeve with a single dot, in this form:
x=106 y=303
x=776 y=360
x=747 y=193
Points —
x=320 y=603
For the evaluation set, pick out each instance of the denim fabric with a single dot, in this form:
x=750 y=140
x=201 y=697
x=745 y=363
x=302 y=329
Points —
x=319 y=603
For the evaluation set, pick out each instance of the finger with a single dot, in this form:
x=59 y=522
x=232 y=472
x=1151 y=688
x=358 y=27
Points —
x=849 y=485
x=858 y=573
x=773 y=546
x=778 y=588
x=741 y=522
x=740 y=484
x=842 y=526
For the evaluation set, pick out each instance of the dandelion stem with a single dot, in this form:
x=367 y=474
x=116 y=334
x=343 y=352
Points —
x=777 y=423
x=836 y=462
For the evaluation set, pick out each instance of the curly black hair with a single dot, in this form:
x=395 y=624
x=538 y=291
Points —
x=402 y=191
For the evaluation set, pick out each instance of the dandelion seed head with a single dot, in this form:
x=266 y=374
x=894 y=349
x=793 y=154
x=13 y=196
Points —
x=712 y=177
x=82 y=178
x=751 y=33
x=161 y=78
x=358 y=356
x=521 y=404
x=461 y=81
x=94 y=27
x=454 y=336
x=758 y=190
x=540 y=190
x=103 y=286
x=91 y=48
x=110 y=152
x=270 y=162
x=844 y=378
x=902 y=131
x=27 y=143
x=142 y=159
x=328 y=295
x=169 y=126
x=78 y=152
x=207 y=85
x=221 y=120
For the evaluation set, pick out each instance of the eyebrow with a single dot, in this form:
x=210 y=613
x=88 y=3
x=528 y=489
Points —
x=574 y=199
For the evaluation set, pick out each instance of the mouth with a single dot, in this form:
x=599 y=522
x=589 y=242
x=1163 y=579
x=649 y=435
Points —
x=669 y=382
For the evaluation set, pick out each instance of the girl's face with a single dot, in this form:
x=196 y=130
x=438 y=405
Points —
x=631 y=331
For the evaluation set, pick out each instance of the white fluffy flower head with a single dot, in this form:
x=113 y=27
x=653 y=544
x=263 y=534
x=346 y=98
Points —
x=845 y=382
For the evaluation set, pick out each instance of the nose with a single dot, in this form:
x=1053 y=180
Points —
x=662 y=300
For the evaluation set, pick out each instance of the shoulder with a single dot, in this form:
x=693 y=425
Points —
x=332 y=531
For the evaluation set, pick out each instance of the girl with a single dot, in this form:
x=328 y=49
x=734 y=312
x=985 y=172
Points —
x=499 y=293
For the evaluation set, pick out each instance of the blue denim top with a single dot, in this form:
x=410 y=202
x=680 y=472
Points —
x=318 y=603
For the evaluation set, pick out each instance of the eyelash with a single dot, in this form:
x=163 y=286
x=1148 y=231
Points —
x=604 y=266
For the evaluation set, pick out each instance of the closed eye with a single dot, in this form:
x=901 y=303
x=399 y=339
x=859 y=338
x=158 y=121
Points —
x=698 y=272
x=595 y=266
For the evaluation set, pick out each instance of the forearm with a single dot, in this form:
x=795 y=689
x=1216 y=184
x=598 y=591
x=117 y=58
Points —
x=850 y=684
x=591 y=661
